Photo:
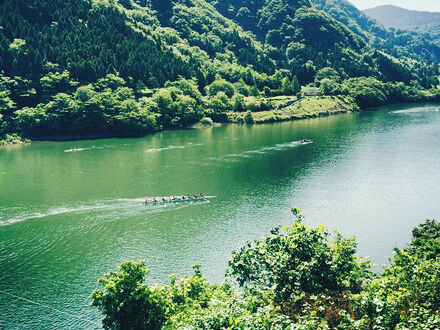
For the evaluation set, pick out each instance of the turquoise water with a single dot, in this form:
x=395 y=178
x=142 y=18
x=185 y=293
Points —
x=68 y=217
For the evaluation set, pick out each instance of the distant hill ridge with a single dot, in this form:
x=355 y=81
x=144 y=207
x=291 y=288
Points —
x=401 y=18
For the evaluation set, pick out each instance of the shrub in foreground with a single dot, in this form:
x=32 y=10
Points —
x=296 y=277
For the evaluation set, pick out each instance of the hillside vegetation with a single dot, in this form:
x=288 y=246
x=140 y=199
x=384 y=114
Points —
x=399 y=43
x=88 y=68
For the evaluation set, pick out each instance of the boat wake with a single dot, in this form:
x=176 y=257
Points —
x=82 y=149
x=416 y=110
x=265 y=150
x=279 y=147
x=173 y=147
x=123 y=207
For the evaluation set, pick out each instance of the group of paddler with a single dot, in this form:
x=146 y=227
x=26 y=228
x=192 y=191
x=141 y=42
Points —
x=174 y=199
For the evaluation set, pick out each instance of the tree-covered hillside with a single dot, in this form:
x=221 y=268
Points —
x=53 y=50
x=306 y=39
x=80 y=68
x=336 y=35
x=90 y=41
x=399 y=43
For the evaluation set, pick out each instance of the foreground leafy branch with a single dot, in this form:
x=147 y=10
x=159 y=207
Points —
x=296 y=277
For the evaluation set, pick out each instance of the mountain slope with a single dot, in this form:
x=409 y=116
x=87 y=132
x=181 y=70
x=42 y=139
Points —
x=401 y=18
x=259 y=16
x=87 y=40
x=121 y=67
x=72 y=58
x=344 y=12
x=398 y=43
x=308 y=40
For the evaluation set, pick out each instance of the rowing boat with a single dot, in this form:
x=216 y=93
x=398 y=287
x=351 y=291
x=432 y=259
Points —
x=160 y=201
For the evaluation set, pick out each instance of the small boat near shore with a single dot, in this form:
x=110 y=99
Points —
x=176 y=200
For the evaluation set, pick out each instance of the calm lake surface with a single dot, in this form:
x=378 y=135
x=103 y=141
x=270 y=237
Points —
x=67 y=218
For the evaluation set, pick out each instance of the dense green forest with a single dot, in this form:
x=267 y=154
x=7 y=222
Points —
x=296 y=277
x=88 y=68
x=399 y=43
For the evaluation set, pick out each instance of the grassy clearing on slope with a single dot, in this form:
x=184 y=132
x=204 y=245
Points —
x=308 y=107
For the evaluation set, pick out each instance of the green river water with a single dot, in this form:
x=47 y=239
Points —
x=67 y=218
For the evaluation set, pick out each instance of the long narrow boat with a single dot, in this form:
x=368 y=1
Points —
x=176 y=200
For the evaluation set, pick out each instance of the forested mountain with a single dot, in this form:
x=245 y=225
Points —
x=401 y=44
x=306 y=39
x=310 y=39
x=401 y=18
x=122 y=67
x=426 y=23
x=431 y=31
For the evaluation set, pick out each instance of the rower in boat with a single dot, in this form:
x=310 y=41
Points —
x=146 y=202
x=154 y=200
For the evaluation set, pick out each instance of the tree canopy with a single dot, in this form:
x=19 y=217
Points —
x=295 y=277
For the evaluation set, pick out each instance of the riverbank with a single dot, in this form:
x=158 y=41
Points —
x=13 y=139
x=283 y=108
x=308 y=107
